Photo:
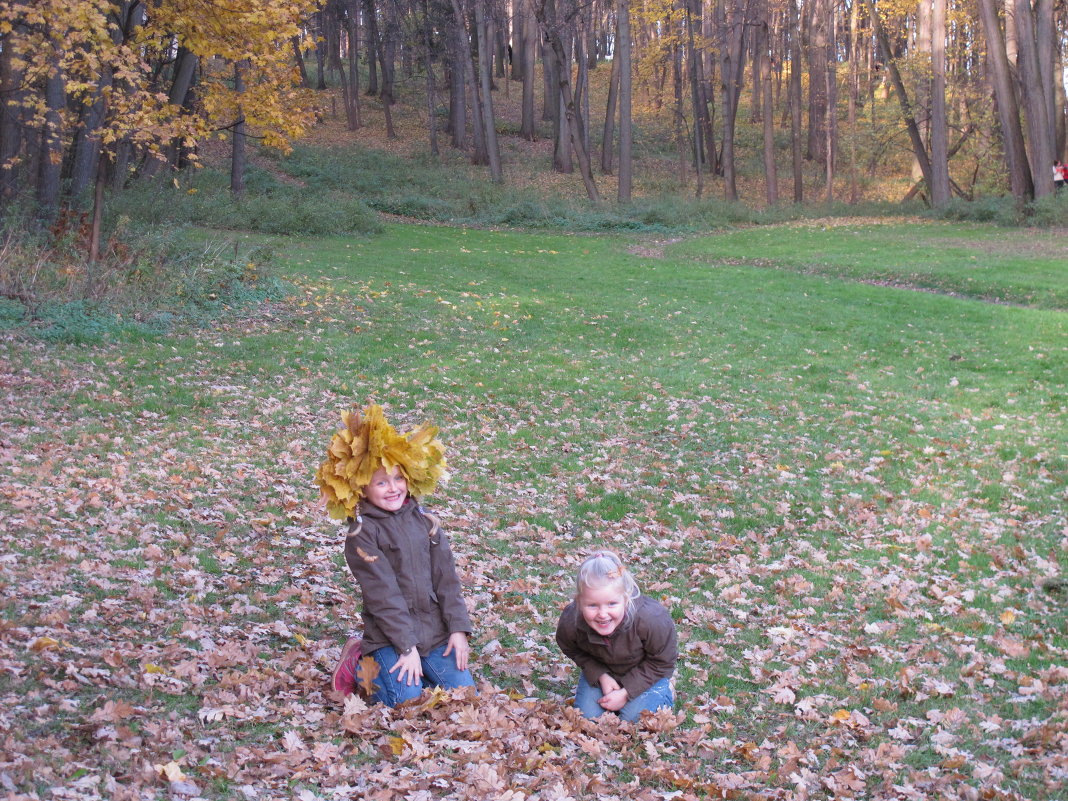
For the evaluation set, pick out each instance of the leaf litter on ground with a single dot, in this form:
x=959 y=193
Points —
x=865 y=584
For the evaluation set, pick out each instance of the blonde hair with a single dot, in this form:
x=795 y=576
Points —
x=603 y=569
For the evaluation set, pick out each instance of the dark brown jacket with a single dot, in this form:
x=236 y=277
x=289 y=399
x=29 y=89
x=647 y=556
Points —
x=638 y=654
x=411 y=593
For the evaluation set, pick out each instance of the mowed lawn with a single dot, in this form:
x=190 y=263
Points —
x=837 y=454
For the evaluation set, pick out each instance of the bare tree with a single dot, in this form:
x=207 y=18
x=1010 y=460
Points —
x=552 y=29
x=239 y=158
x=484 y=26
x=731 y=19
x=1020 y=181
x=626 y=131
x=940 y=192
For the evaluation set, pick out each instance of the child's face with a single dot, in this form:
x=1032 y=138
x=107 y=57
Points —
x=387 y=490
x=603 y=608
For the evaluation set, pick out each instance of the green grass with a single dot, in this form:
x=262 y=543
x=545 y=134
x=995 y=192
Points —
x=827 y=475
x=971 y=261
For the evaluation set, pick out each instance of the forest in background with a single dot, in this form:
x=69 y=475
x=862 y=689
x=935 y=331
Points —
x=965 y=97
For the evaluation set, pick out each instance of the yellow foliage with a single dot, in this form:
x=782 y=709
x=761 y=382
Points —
x=103 y=59
x=368 y=442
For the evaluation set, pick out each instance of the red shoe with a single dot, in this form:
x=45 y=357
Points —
x=345 y=673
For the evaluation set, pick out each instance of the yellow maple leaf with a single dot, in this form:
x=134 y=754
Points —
x=1008 y=616
x=172 y=772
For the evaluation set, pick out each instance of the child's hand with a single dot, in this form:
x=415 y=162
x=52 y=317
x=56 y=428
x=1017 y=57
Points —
x=607 y=684
x=409 y=668
x=458 y=644
x=615 y=700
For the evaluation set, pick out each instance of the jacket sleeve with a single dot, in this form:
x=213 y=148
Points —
x=382 y=596
x=567 y=639
x=659 y=641
x=447 y=586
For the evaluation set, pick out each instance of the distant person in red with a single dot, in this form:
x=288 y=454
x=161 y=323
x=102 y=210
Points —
x=1060 y=175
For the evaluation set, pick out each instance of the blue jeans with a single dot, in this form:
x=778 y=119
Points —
x=438 y=671
x=656 y=697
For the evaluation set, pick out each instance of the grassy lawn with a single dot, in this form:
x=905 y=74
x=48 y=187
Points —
x=851 y=495
x=971 y=261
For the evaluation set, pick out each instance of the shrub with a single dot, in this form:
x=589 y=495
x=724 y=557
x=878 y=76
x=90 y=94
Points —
x=1049 y=211
x=269 y=206
x=145 y=281
x=1005 y=210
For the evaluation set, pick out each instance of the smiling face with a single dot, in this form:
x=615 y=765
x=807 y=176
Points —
x=603 y=607
x=387 y=491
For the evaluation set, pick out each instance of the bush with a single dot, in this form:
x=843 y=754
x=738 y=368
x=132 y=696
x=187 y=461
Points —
x=145 y=281
x=1050 y=211
x=1001 y=210
x=1046 y=212
x=268 y=206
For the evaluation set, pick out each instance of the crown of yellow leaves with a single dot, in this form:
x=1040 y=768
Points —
x=368 y=442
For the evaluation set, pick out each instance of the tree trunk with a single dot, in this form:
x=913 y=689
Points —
x=854 y=96
x=681 y=137
x=87 y=139
x=371 y=17
x=298 y=56
x=940 y=192
x=389 y=33
x=478 y=131
x=239 y=157
x=457 y=86
x=98 y=208
x=1005 y=99
x=51 y=142
x=918 y=148
x=10 y=129
x=529 y=57
x=831 y=121
x=484 y=35
x=428 y=67
x=560 y=69
x=1039 y=129
x=795 y=103
x=608 y=135
x=582 y=88
x=817 y=79
x=771 y=182
x=731 y=38
x=353 y=15
x=320 y=62
x=626 y=132
x=571 y=113
x=697 y=99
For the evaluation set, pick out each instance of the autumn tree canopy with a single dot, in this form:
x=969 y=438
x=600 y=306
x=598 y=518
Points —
x=969 y=91
x=94 y=90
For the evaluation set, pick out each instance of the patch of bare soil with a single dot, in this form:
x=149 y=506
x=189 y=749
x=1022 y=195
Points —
x=653 y=248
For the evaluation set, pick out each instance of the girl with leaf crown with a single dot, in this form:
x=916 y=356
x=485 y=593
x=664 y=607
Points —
x=415 y=621
x=623 y=642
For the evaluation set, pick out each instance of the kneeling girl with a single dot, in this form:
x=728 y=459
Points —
x=623 y=642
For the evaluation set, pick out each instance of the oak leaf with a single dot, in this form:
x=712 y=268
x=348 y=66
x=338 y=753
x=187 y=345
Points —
x=366 y=673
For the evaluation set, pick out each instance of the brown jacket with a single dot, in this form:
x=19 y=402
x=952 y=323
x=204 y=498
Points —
x=638 y=654
x=411 y=593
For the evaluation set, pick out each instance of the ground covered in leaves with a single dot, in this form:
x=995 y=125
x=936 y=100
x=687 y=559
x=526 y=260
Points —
x=851 y=497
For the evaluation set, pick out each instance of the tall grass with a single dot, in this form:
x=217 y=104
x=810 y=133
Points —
x=145 y=280
x=269 y=205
